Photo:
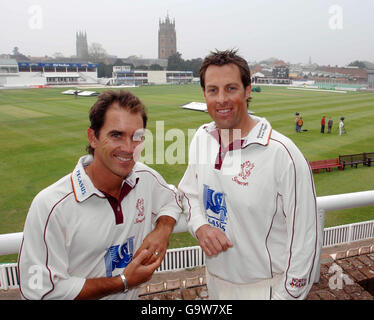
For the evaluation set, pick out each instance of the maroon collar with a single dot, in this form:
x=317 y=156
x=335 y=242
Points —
x=236 y=144
x=116 y=204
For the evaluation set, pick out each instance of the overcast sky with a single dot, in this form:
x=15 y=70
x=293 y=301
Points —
x=330 y=32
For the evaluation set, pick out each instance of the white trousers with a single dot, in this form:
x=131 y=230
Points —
x=220 y=289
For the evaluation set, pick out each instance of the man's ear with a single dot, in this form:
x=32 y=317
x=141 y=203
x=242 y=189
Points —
x=248 y=91
x=91 y=138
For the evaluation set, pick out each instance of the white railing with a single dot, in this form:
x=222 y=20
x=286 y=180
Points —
x=182 y=258
x=10 y=243
x=8 y=276
x=345 y=233
x=348 y=233
x=190 y=257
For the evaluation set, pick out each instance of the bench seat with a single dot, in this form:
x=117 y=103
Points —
x=327 y=164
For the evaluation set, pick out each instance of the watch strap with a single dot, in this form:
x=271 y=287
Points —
x=126 y=287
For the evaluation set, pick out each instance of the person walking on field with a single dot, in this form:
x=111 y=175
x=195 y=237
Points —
x=341 y=126
x=299 y=123
x=323 y=123
x=329 y=125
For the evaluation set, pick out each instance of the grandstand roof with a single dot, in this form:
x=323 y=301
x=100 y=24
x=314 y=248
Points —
x=61 y=75
x=369 y=65
x=8 y=62
x=55 y=64
x=356 y=72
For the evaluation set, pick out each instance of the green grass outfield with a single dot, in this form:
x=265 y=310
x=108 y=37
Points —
x=43 y=133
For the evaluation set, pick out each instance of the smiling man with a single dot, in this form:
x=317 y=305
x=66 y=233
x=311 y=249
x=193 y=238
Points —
x=103 y=229
x=248 y=194
x=225 y=96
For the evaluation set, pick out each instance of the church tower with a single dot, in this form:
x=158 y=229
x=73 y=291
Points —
x=167 y=39
x=81 y=45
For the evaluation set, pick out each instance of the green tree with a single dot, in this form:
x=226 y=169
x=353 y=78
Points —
x=175 y=62
x=104 y=70
x=141 y=67
x=16 y=51
x=18 y=55
x=155 y=66
x=358 y=63
x=119 y=62
x=194 y=66
x=96 y=52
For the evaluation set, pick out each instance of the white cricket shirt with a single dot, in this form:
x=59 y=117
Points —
x=260 y=192
x=74 y=232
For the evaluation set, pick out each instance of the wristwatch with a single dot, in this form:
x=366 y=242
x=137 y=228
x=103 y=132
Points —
x=124 y=283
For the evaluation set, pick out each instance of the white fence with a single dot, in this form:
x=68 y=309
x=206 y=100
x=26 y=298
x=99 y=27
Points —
x=8 y=276
x=348 y=233
x=189 y=257
x=182 y=258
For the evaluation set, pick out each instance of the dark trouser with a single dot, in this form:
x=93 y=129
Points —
x=322 y=128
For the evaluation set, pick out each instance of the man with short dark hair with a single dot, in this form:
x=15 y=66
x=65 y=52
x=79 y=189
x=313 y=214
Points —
x=104 y=229
x=248 y=194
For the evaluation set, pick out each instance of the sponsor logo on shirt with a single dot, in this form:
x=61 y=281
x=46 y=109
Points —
x=140 y=211
x=262 y=130
x=215 y=207
x=298 y=283
x=80 y=182
x=245 y=171
x=119 y=256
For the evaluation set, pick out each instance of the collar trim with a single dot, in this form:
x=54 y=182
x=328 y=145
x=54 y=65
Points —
x=259 y=134
x=84 y=188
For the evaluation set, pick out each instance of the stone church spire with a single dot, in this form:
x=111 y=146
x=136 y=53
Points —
x=82 y=45
x=167 y=39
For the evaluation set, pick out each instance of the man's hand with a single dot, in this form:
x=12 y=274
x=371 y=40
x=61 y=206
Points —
x=212 y=240
x=139 y=271
x=157 y=241
x=136 y=273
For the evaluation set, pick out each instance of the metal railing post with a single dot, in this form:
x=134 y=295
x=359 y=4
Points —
x=3 y=279
x=350 y=229
x=321 y=223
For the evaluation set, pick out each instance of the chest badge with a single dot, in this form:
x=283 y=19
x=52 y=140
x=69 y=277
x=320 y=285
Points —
x=245 y=171
x=140 y=211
